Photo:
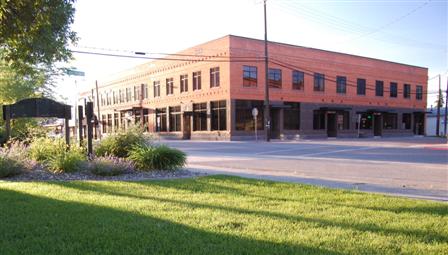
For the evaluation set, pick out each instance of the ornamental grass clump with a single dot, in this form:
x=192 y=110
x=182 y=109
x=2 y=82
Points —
x=110 y=166
x=67 y=160
x=56 y=156
x=157 y=158
x=121 y=143
x=42 y=149
x=9 y=166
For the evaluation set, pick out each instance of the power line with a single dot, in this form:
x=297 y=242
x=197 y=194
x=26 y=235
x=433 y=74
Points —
x=347 y=26
x=144 y=53
x=248 y=59
x=349 y=84
x=393 y=21
x=240 y=59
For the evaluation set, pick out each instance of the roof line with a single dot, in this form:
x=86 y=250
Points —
x=310 y=48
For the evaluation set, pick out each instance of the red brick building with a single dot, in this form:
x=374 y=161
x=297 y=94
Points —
x=209 y=91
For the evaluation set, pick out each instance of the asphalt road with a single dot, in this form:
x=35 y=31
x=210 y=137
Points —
x=413 y=166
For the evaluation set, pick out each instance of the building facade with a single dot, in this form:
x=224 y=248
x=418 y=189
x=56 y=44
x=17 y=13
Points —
x=209 y=92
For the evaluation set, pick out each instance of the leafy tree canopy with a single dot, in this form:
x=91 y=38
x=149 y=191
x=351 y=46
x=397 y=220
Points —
x=36 y=32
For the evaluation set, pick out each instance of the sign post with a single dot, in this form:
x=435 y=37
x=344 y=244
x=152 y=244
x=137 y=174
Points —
x=255 y=114
x=359 y=123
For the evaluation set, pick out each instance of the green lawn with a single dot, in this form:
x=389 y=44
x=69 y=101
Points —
x=213 y=215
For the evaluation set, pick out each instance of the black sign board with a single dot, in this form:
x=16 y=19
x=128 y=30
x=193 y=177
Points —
x=38 y=107
x=34 y=108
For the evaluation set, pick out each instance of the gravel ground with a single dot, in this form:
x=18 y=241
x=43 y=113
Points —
x=42 y=175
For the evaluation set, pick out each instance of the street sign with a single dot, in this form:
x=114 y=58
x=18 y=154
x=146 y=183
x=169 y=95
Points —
x=254 y=112
x=73 y=72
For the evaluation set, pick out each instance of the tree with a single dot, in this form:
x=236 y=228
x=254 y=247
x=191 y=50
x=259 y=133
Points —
x=34 y=35
x=36 y=32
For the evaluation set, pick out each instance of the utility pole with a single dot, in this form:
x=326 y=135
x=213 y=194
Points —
x=446 y=108
x=438 y=107
x=98 y=110
x=267 y=115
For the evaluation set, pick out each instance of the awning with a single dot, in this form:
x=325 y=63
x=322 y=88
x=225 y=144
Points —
x=375 y=111
x=279 y=105
x=326 y=109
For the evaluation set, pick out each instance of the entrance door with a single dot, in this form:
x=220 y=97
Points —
x=186 y=131
x=419 y=123
x=275 y=123
x=331 y=125
x=377 y=125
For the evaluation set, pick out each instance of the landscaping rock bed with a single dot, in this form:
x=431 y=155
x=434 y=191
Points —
x=43 y=175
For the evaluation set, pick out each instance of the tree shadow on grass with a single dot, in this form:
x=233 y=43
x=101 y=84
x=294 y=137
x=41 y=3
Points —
x=39 y=225
x=421 y=235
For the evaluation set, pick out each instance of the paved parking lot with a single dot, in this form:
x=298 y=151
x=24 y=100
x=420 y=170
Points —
x=412 y=166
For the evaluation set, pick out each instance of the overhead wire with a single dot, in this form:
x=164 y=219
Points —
x=240 y=59
x=326 y=78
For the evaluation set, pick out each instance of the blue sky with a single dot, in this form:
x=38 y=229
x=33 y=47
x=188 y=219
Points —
x=414 y=32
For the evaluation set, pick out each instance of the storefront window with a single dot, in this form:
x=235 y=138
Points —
x=200 y=117
x=390 y=121
x=291 y=116
x=161 y=120
x=318 y=119
x=343 y=120
x=219 y=115
x=175 y=116
x=243 y=115
x=406 y=121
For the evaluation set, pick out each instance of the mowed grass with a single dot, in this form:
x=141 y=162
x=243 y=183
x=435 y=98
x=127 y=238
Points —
x=213 y=215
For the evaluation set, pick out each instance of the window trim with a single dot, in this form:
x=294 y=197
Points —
x=317 y=78
x=249 y=81
x=344 y=85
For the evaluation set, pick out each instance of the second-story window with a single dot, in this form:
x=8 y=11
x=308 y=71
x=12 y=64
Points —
x=275 y=78
x=341 y=84
x=128 y=94
x=169 y=86
x=115 y=97
x=319 y=82
x=197 y=80
x=156 y=89
x=184 y=83
x=407 y=91
x=379 y=88
x=361 y=87
x=393 y=89
x=145 y=91
x=419 y=92
x=137 y=93
x=214 y=77
x=121 y=95
x=249 y=76
x=298 y=80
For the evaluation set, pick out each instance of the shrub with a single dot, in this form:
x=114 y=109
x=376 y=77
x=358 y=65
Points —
x=110 y=166
x=42 y=149
x=121 y=143
x=9 y=166
x=19 y=151
x=2 y=137
x=157 y=157
x=67 y=161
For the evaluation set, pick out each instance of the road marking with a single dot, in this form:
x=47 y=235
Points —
x=291 y=149
x=337 y=151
